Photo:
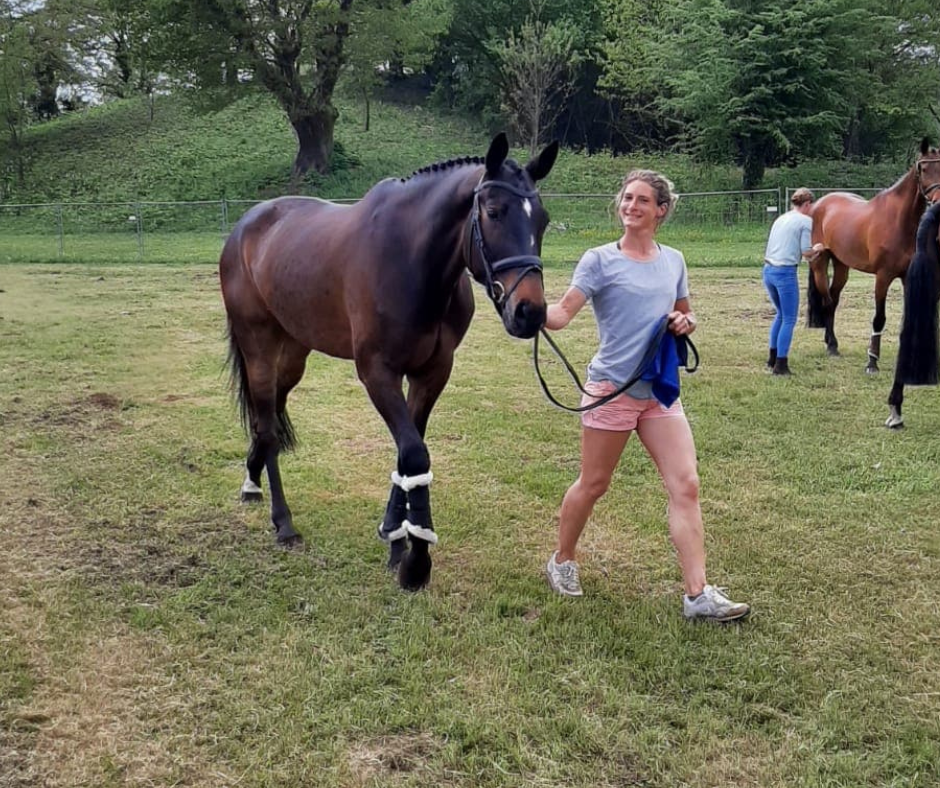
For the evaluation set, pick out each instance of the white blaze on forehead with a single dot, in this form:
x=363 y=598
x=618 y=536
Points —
x=527 y=207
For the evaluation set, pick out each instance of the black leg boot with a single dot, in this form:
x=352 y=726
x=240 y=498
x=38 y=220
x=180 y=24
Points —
x=772 y=358
x=781 y=367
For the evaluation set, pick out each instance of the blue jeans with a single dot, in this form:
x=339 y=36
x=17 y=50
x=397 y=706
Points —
x=784 y=291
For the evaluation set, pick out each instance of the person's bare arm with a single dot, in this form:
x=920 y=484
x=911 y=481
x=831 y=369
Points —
x=560 y=314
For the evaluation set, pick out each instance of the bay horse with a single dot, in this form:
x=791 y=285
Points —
x=918 y=362
x=381 y=282
x=875 y=236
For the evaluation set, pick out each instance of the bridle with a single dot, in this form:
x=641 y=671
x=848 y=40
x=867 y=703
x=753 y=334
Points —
x=926 y=191
x=525 y=263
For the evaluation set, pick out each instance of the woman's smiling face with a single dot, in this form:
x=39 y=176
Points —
x=638 y=207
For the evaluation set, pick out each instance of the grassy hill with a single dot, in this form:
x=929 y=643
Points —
x=126 y=150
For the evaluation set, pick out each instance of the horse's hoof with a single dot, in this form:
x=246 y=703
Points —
x=414 y=572
x=293 y=543
x=893 y=423
x=396 y=553
x=251 y=497
x=872 y=370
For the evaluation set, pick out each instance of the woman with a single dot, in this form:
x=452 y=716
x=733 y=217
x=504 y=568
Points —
x=788 y=242
x=632 y=284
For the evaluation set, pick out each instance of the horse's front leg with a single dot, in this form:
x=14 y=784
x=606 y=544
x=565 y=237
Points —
x=410 y=494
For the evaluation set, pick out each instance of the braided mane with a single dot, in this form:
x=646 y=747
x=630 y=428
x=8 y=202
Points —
x=445 y=165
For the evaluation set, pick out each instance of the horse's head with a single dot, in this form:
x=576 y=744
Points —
x=507 y=223
x=928 y=171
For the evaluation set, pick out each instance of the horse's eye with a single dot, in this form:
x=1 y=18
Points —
x=493 y=213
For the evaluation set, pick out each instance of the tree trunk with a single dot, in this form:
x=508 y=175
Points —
x=314 y=130
x=753 y=167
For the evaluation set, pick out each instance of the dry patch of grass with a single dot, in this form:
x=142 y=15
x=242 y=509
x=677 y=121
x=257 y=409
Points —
x=388 y=760
x=102 y=708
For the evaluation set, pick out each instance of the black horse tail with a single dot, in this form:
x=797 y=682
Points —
x=815 y=311
x=241 y=390
x=919 y=353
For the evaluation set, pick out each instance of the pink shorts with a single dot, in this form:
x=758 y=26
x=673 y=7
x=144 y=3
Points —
x=623 y=413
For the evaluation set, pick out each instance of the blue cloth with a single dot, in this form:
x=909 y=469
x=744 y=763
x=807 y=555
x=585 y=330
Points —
x=662 y=371
x=784 y=291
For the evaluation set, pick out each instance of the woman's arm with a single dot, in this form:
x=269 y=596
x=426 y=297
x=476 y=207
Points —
x=681 y=320
x=560 y=314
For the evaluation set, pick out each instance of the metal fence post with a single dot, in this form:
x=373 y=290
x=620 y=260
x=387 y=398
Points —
x=224 y=217
x=140 y=232
x=58 y=223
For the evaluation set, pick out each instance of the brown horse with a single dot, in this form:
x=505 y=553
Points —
x=918 y=362
x=875 y=236
x=382 y=283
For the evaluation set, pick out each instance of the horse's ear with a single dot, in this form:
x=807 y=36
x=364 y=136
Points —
x=924 y=146
x=496 y=155
x=542 y=164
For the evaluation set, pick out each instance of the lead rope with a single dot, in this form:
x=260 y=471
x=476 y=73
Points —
x=651 y=351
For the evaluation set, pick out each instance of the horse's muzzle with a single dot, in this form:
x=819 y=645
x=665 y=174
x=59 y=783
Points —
x=524 y=319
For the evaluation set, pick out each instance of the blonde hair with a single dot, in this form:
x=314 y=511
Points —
x=663 y=187
x=801 y=196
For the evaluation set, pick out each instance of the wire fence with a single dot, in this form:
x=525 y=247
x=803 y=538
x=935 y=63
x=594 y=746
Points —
x=194 y=231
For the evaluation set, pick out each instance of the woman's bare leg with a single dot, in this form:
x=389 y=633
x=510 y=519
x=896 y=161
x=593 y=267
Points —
x=669 y=442
x=600 y=453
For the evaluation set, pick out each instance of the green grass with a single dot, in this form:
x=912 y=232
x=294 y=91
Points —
x=152 y=635
x=738 y=246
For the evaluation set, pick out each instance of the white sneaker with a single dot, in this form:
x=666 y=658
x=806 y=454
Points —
x=713 y=605
x=563 y=577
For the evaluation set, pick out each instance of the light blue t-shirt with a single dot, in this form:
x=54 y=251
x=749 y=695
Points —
x=790 y=236
x=629 y=298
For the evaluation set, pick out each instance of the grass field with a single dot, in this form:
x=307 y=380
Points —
x=152 y=636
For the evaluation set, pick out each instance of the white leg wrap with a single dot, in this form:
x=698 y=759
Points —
x=249 y=486
x=408 y=483
x=420 y=532
x=877 y=333
x=399 y=533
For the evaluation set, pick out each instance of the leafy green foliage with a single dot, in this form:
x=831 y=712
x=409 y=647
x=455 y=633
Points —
x=764 y=84
x=120 y=152
x=536 y=67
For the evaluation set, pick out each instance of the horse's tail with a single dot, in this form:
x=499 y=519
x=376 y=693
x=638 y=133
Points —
x=919 y=352
x=815 y=310
x=238 y=379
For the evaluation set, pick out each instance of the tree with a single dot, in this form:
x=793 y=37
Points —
x=390 y=40
x=631 y=71
x=536 y=67
x=466 y=73
x=295 y=49
x=765 y=83
x=17 y=81
x=119 y=38
x=754 y=83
